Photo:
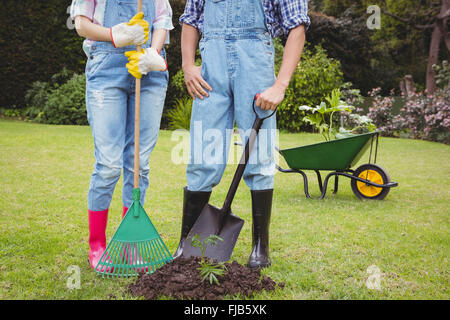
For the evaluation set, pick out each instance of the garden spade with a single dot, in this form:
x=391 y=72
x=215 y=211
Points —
x=221 y=221
x=136 y=245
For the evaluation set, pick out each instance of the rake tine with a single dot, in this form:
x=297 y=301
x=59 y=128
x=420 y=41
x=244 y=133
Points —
x=145 y=254
x=115 y=261
x=105 y=264
x=123 y=251
x=153 y=254
x=156 y=253
x=130 y=260
x=117 y=256
x=160 y=254
x=144 y=257
x=164 y=251
x=138 y=258
x=140 y=255
x=150 y=256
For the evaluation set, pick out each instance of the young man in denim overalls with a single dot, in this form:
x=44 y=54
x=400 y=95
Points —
x=237 y=63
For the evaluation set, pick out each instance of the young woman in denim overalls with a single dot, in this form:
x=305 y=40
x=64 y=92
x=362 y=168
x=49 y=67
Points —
x=237 y=63
x=110 y=98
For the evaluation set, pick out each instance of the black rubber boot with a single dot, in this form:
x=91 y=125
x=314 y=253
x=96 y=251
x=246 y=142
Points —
x=261 y=210
x=193 y=203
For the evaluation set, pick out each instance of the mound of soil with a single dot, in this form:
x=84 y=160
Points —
x=181 y=280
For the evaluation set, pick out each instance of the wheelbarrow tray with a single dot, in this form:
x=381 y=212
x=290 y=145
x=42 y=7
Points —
x=337 y=155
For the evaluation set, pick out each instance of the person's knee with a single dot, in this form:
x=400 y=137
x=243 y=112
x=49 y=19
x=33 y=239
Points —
x=204 y=178
x=109 y=172
x=260 y=177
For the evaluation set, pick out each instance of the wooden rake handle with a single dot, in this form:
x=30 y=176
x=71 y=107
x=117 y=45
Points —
x=137 y=116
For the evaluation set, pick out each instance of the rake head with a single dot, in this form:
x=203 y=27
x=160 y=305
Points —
x=136 y=247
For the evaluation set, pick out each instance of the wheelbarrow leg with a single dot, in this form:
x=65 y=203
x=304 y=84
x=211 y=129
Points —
x=336 y=184
x=325 y=183
x=319 y=180
x=305 y=183
x=305 y=178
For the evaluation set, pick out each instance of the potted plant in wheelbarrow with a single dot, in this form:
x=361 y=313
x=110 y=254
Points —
x=342 y=149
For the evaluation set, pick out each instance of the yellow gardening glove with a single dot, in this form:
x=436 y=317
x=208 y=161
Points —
x=133 y=62
x=135 y=32
x=141 y=63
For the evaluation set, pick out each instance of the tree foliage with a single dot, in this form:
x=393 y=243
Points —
x=315 y=77
x=376 y=58
x=36 y=43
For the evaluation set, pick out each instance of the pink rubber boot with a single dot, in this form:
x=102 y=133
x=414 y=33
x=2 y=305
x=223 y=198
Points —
x=125 y=209
x=97 y=235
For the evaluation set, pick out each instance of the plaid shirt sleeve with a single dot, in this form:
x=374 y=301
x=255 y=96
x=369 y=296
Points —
x=83 y=8
x=293 y=13
x=193 y=13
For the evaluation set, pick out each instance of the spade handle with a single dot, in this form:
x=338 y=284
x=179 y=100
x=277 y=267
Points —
x=244 y=159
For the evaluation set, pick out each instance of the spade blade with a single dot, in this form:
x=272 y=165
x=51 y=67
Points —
x=209 y=223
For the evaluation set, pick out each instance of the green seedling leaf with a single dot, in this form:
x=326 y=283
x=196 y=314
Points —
x=208 y=269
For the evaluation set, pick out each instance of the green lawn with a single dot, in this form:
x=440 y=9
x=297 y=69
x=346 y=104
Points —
x=320 y=249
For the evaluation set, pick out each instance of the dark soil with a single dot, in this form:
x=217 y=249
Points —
x=180 y=279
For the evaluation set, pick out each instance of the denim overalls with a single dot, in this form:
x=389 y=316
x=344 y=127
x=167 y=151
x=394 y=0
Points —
x=110 y=99
x=237 y=62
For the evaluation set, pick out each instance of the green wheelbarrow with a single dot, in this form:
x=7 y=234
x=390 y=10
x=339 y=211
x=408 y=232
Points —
x=369 y=181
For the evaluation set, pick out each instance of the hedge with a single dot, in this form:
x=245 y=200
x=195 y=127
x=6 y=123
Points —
x=36 y=43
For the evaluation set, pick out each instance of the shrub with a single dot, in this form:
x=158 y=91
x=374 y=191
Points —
x=55 y=103
x=180 y=116
x=176 y=89
x=36 y=97
x=66 y=104
x=314 y=79
x=422 y=117
x=178 y=85
x=381 y=113
x=12 y=113
x=351 y=95
x=428 y=116
x=442 y=74
x=36 y=43
x=178 y=97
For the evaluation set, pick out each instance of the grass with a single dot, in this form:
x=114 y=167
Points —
x=320 y=249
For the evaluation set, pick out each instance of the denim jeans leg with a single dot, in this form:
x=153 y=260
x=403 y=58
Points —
x=153 y=93
x=106 y=110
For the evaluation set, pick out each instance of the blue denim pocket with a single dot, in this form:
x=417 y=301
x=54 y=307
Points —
x=128 y=9
x=95 y=62
x=214 y=13
x=244 y=14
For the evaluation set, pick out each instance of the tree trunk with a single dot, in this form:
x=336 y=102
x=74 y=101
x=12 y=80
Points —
x=433 y=57
x=442 y=19
x=407 y=86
